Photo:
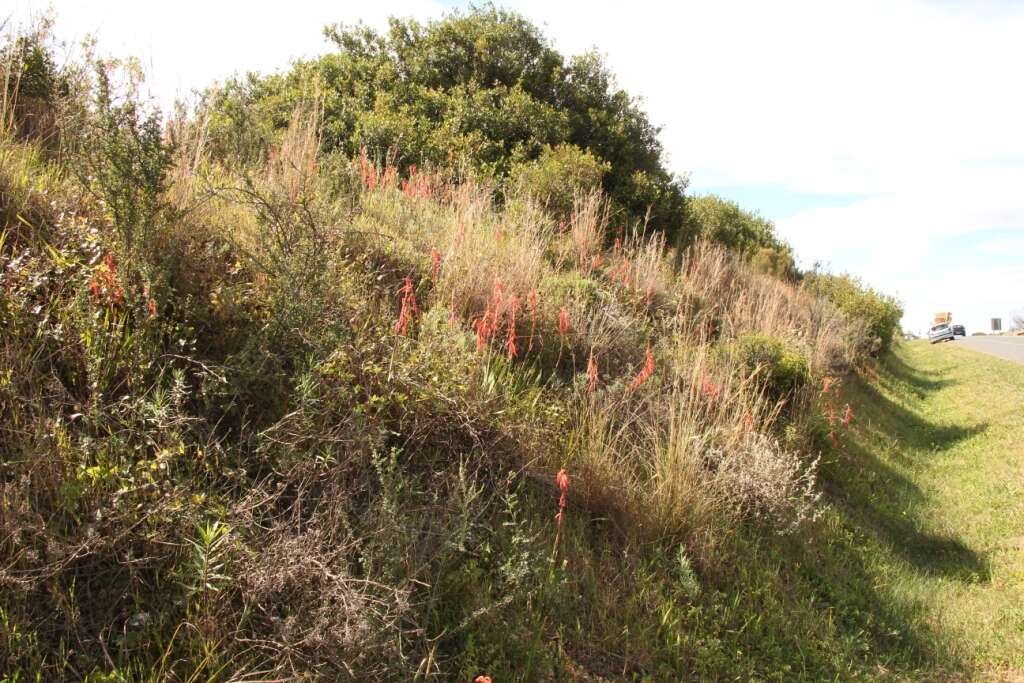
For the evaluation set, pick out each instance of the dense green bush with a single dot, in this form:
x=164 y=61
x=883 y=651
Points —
x=777 y=261
x=782 y=368
x=124 y=159
x=558 y=176
x=879 y=313
x=724 y=222
x=482 y=91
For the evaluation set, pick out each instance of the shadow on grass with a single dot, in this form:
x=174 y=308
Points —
x=903 y=429
x=883 y=501
x=896 y=372
x=822 y=607
x=877 y=518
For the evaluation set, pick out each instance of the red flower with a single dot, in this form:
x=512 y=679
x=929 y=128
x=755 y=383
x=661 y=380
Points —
x=645 y=372
x=563 y=323
x=848 y=416
x=562 y=479
x=510 y=344
x=409 y=311
x=435 y=264
x=367 y=171
x=498 y=299
x=482 y=332
x=413 y=186
x=488 y=325
x=510 y=339
x=104 y=282
x=531 y=306
x=591 y=374
x=708 y=387
x=387 y=180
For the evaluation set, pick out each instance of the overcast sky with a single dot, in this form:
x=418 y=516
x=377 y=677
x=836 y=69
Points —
x=884 y=139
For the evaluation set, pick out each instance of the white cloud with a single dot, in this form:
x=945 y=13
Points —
x=187 y=44
x=959 y=289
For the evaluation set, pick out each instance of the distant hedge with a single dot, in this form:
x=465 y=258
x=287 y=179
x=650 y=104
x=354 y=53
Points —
x=724 y=222
x=880 y=313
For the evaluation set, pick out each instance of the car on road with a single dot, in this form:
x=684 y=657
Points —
x=959 y=331
x=940 y=332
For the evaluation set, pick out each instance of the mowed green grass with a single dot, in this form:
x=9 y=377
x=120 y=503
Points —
x=932 y=476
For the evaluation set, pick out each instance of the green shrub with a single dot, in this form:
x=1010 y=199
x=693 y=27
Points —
x=783 y=368
x=558 y=176
x=879 y=313
x=775 y=261
x=724 y=222
x=33 y=86
x=123 y=150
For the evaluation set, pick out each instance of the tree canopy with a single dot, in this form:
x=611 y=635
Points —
x=484 y=91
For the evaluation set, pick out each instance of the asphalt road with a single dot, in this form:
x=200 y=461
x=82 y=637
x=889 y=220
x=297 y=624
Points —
x=1010 y=348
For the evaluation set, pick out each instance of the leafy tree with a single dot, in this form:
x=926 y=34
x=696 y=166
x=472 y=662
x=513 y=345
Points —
x=482 y=91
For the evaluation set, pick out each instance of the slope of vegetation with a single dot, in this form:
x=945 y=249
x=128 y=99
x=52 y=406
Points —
x=290 y=411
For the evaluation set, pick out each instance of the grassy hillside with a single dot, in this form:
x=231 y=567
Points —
x=300 y=415
x=308 y=416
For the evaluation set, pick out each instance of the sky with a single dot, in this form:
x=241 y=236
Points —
x=883 y=139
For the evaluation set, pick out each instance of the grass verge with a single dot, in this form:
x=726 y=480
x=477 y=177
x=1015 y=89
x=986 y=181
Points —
x=931 y=480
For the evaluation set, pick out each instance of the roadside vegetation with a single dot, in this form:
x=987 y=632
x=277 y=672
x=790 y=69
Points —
x=278 y=401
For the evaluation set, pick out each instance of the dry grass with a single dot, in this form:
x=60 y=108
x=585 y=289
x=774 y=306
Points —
x=738 y=300
x=359 y=470
x=691 y=448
